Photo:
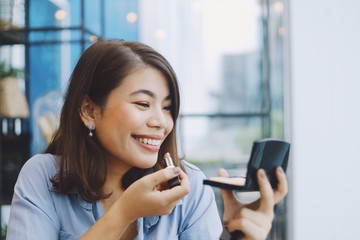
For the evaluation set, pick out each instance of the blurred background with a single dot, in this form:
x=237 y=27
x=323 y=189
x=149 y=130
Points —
x=248 y=69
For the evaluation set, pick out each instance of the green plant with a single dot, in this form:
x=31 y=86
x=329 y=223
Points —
x=9 y=71
x=3 y=232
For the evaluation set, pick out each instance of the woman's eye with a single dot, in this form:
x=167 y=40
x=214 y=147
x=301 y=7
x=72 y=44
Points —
x=143 y=104
x=167 y=108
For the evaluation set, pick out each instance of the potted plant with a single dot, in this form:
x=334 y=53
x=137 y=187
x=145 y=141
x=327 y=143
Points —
x=13 y=103
x=8 y=71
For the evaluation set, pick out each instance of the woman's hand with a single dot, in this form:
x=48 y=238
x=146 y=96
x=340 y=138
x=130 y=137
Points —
x=146 y=197
x=254 y=219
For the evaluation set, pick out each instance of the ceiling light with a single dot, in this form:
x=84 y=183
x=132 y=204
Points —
x=279 y=7
x=131 y=17
x=60 y=14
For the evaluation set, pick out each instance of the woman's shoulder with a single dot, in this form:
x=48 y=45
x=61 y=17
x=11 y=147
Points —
x=196 y=177
x=40 y=165
x=199 y=193
x=199 y=207
x=194 y=173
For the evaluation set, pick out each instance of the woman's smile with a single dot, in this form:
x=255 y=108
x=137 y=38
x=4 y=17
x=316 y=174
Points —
x=149 y=142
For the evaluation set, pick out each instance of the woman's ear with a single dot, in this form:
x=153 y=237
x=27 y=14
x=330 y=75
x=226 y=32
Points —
x=87 y=111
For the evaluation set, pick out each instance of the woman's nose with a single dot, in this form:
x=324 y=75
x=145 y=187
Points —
x=158 y=119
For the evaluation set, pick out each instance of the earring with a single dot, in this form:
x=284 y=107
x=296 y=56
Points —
x=91 y=128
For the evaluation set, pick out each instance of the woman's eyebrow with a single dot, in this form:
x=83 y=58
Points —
x=149 y=93
x=144 y=91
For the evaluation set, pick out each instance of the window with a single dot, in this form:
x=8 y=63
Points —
x=228 y=56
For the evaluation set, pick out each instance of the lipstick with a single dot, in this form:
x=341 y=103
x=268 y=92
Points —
x=170 y=164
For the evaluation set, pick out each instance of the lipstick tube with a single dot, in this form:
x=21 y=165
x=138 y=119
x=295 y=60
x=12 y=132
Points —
x=170 y=164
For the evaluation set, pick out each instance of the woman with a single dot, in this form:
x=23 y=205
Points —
x=103 y=175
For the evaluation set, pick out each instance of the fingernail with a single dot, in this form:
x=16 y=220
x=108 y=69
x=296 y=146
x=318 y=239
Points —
x=176 y=170
x=262 y=173
x=280 y=170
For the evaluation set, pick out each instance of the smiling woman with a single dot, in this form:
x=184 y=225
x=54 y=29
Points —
x=103 y=175
x=105 y=163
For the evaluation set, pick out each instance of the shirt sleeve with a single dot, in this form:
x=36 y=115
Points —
x=201 y=218
x=32 y=216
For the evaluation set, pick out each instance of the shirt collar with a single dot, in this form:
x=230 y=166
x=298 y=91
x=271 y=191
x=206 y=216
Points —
x=84 y=204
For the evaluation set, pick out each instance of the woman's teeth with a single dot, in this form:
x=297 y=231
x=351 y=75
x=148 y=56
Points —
x=149 y=141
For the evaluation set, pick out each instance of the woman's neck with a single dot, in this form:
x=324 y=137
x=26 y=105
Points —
x=115 y=171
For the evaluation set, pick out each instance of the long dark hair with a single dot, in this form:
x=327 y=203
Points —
x=100 y=69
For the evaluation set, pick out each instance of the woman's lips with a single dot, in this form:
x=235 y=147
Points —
x=149 y=143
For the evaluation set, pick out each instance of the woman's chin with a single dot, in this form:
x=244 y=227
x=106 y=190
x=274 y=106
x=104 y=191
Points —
x=145 y=165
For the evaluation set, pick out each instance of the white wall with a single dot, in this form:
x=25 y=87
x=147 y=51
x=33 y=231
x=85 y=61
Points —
x=325 y=112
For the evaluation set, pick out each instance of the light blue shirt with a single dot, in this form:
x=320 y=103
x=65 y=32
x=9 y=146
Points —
x=40 y=212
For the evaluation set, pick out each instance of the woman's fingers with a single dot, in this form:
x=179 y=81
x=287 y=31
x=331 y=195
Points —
x=146 y=192
x=254 y=224
x=230 y=203
x=227 y=195
x=184 y=187
x=151 y=184
x=250 y=229
x=266 y=192
x=176 y=193
x=282 y=187
x=161 y=176
x=223 y=173
x=255 y=219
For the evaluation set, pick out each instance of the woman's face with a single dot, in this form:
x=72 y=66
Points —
x=136 y=119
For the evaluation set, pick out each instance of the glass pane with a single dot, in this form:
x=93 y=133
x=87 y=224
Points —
x=12 y=14
x=218 y=141
x=121 y=19
x=65 y=13
x=50 y=66
x=211 y=143
x=93 y=16
x=49 y=13
x=277 y=35
x=215 y=48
